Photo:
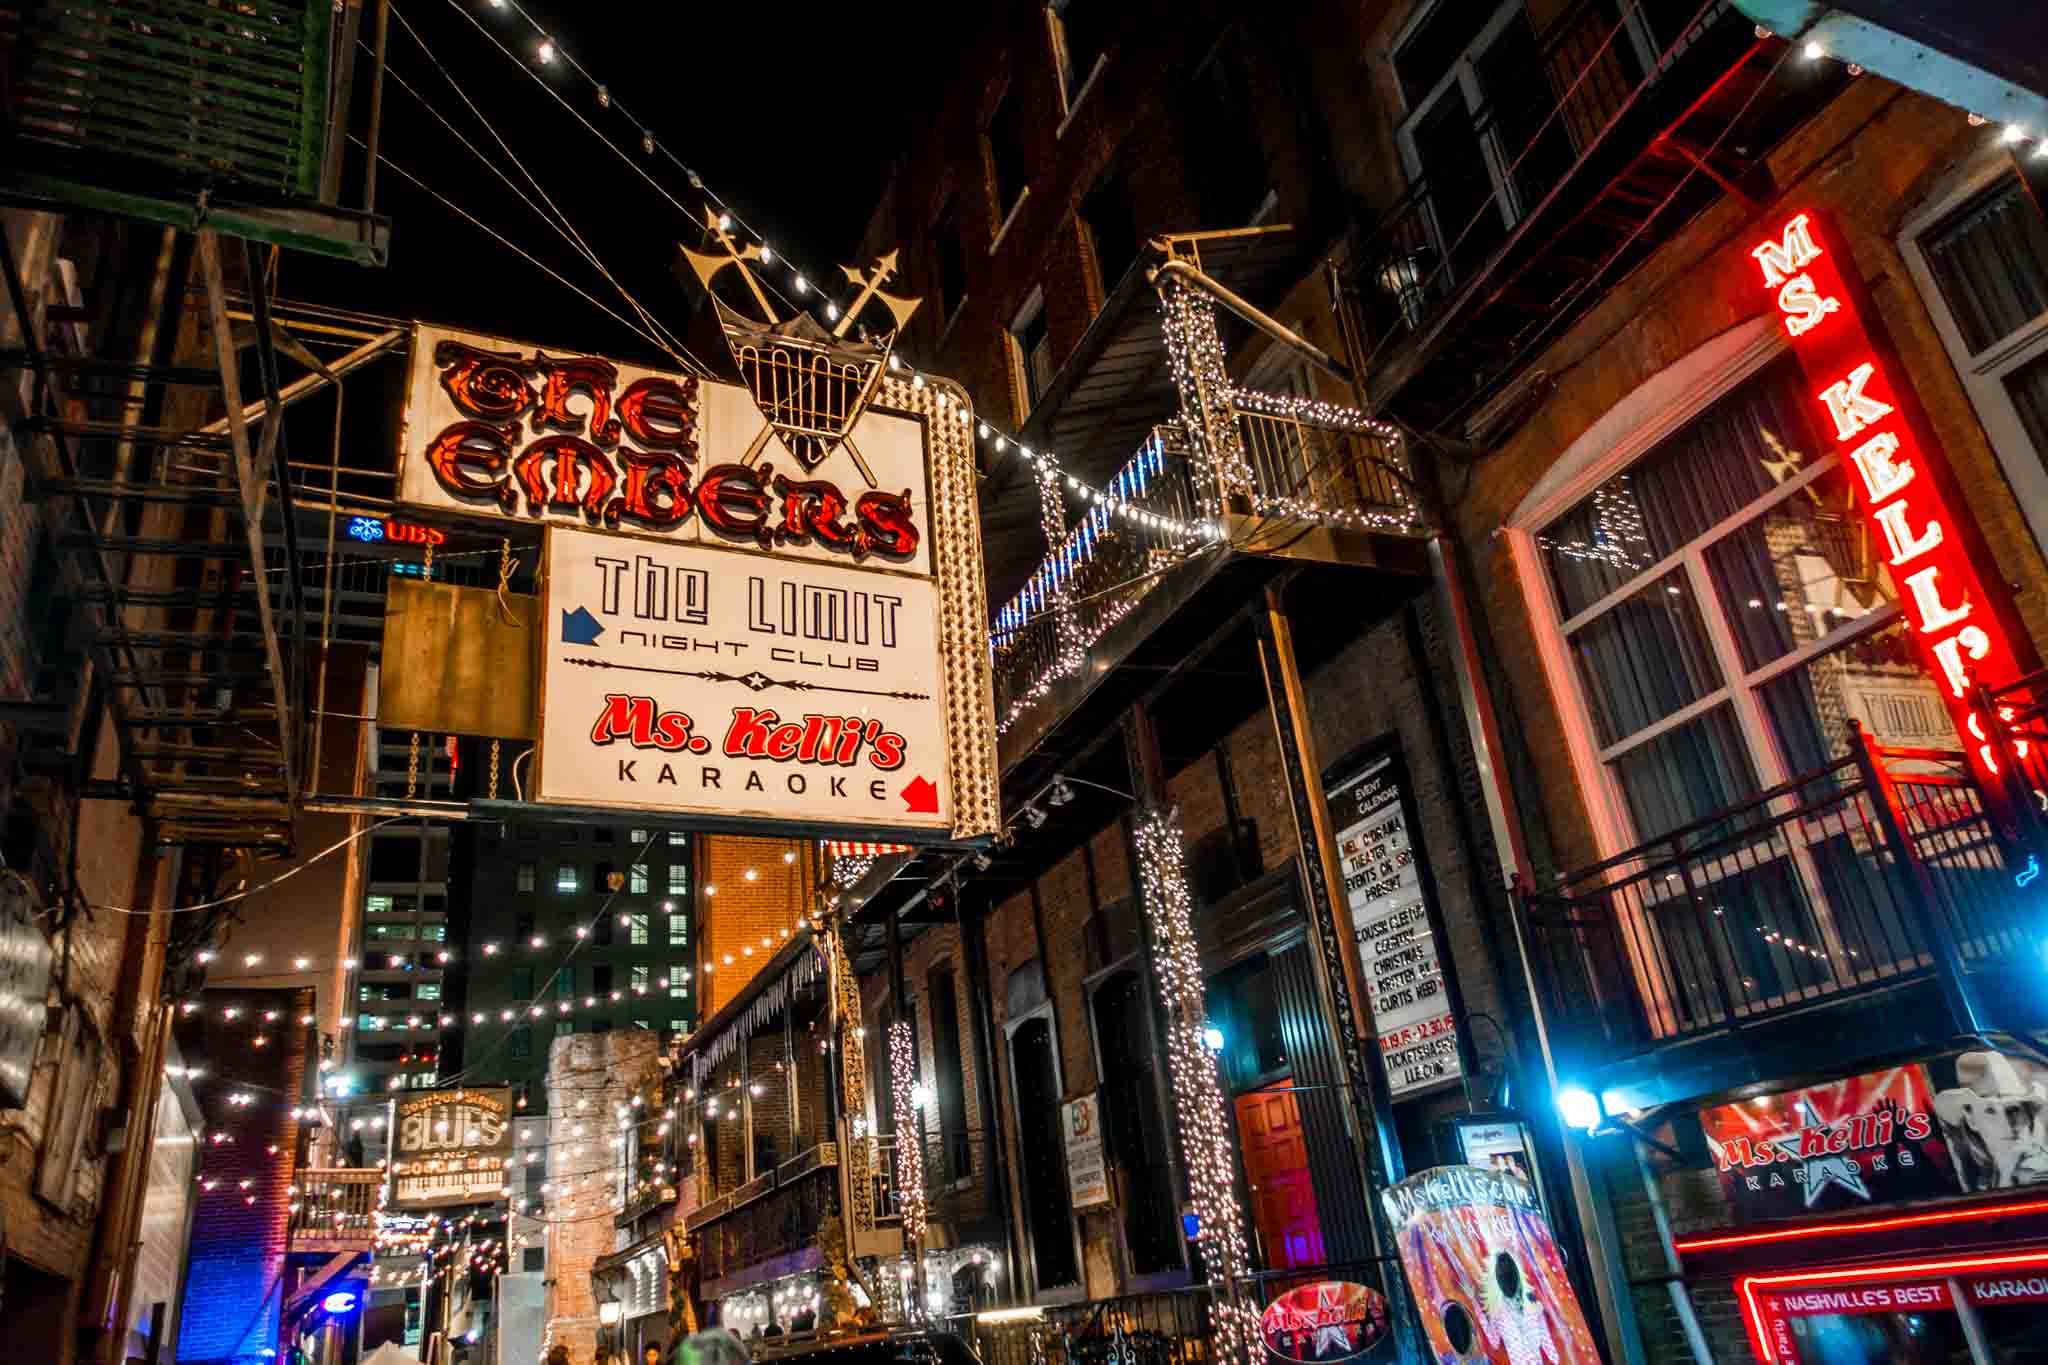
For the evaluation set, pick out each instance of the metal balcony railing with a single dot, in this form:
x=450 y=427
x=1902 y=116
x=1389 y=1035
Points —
x=772 y=1215
x=1107 y=564
x=1873 y=871
x=336 y=1205
x=1170 y=1327
x=231 y=93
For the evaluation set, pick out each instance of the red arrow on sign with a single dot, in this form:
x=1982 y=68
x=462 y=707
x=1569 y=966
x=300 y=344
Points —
x=921 y=796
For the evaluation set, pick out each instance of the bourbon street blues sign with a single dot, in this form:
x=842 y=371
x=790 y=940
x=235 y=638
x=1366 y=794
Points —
x=756 y=608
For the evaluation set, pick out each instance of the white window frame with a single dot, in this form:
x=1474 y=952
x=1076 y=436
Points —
x=1463 y=76
x=1627 y=432
x=1032 y=311
x=1062 y=65
x=1984 y=373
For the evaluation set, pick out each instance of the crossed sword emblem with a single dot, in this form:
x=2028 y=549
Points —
x=870 y=283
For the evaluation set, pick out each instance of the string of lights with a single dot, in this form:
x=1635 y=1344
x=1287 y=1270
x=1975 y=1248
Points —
x=1205 y=1123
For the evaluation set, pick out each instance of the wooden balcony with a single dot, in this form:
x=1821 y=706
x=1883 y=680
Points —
x=1864 y=911
x=334 y=1210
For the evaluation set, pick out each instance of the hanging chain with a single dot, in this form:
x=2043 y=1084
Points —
x=412 y=766
x=504 y=564
x=494 y=770
x=427 y=568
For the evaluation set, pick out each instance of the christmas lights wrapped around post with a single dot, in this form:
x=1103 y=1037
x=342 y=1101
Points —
x=1069 y=651
x=1194 y=350
x=909 y=1134
x=1198 y=1094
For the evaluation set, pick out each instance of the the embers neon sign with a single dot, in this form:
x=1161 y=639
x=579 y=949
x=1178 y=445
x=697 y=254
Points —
x=626 y=456
x=1901 y=481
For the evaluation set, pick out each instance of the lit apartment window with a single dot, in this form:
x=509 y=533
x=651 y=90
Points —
x=679 y=1026
x=369 y=1023
x=565 y=982
x=428 y=990
x=525 y=877
x=678 y=879
x=678 y=980
x=637 y=928
x=679 y=930
x=640 y=836
x=568 y=879
x=637 y=879
x=377 y=905
x=641 y=976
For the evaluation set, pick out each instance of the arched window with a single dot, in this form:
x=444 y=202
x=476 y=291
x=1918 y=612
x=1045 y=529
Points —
x=1048 y=1216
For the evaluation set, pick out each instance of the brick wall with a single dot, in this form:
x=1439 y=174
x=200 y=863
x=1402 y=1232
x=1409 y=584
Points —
x=742 y=923
x=235 y=1282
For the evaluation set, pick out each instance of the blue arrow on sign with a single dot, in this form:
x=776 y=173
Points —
x=579 y=627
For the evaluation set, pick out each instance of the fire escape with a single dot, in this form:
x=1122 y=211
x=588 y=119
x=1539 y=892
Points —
x=158 y=457
x=1642 y=117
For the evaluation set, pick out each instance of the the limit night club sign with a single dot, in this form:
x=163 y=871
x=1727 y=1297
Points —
x=1908 y=495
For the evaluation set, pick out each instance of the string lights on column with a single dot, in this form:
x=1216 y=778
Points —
x=1198 y=1095
x=909 y=1132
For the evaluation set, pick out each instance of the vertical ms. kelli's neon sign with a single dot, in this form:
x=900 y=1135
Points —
x=1904 y=488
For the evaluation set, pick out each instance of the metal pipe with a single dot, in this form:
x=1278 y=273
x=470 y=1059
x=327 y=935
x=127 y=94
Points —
x=1681 y=1297
x=1272 y=327
x=373 y=139
x=305 y=384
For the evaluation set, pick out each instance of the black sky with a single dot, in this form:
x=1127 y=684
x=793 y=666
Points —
x=794 y=112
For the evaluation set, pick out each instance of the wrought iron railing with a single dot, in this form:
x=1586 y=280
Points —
x=1874 y=870
x=779 y=1218
x=336 y=1204
x=1168 y=1327
x=1108 y=563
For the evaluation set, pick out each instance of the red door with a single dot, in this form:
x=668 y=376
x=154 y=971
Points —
x=1276 y=1168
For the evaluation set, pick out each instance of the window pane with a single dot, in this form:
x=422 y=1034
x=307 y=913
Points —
x=1990 y=259
x=1804 y=568
x=641 y=974
x=1729 y=456
x=2028 y=386
x=1875 y=679
x=678 y=879
x=679 y=980
x=678 y=929
x=1685 y=774
x=638 y=923
x=638 y=879
x=1644 y=658
x=566 y=878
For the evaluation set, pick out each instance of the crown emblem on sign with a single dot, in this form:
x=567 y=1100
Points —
x=810 y=383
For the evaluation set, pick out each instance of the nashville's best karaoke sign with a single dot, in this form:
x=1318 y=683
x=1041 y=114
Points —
x=1905 y=488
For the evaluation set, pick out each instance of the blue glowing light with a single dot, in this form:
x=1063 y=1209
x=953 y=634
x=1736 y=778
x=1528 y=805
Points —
x=366 y=529
x=340 y=1301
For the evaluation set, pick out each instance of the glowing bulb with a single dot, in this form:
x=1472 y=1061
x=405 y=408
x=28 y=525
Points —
x=547 y=50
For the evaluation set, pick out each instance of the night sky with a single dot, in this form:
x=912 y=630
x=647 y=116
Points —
x=793 y=112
